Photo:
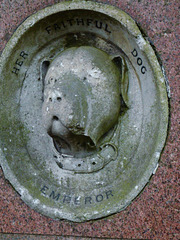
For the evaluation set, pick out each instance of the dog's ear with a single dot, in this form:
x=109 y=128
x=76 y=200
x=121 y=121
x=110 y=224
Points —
x=124 y=83
x=43 y=70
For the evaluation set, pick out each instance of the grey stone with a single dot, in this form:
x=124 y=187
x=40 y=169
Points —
x=84 y=111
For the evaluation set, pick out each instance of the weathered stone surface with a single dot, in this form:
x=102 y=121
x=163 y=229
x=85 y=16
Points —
x=28 y=157
x=154 y=214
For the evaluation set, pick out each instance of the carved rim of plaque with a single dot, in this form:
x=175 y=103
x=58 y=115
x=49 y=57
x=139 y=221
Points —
x=83 y=110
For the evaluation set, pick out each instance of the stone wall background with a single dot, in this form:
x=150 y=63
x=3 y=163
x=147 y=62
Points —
x=154 y=213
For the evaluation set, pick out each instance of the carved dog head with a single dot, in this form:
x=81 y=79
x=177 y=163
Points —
x=81 y=99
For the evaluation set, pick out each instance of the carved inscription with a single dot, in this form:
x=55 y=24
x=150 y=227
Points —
x=139 y=61
x=77 y=22
x=19 y=62
x=76 y=200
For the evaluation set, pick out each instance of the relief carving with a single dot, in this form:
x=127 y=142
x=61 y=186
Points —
x=82 y=104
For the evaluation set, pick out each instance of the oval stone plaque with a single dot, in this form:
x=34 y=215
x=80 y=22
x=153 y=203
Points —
x=83 y=111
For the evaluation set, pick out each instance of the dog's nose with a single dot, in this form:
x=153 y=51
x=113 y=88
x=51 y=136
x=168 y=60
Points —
x=57 y=128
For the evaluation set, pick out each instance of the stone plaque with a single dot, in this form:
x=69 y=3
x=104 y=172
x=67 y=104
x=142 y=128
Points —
x=83 y=111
